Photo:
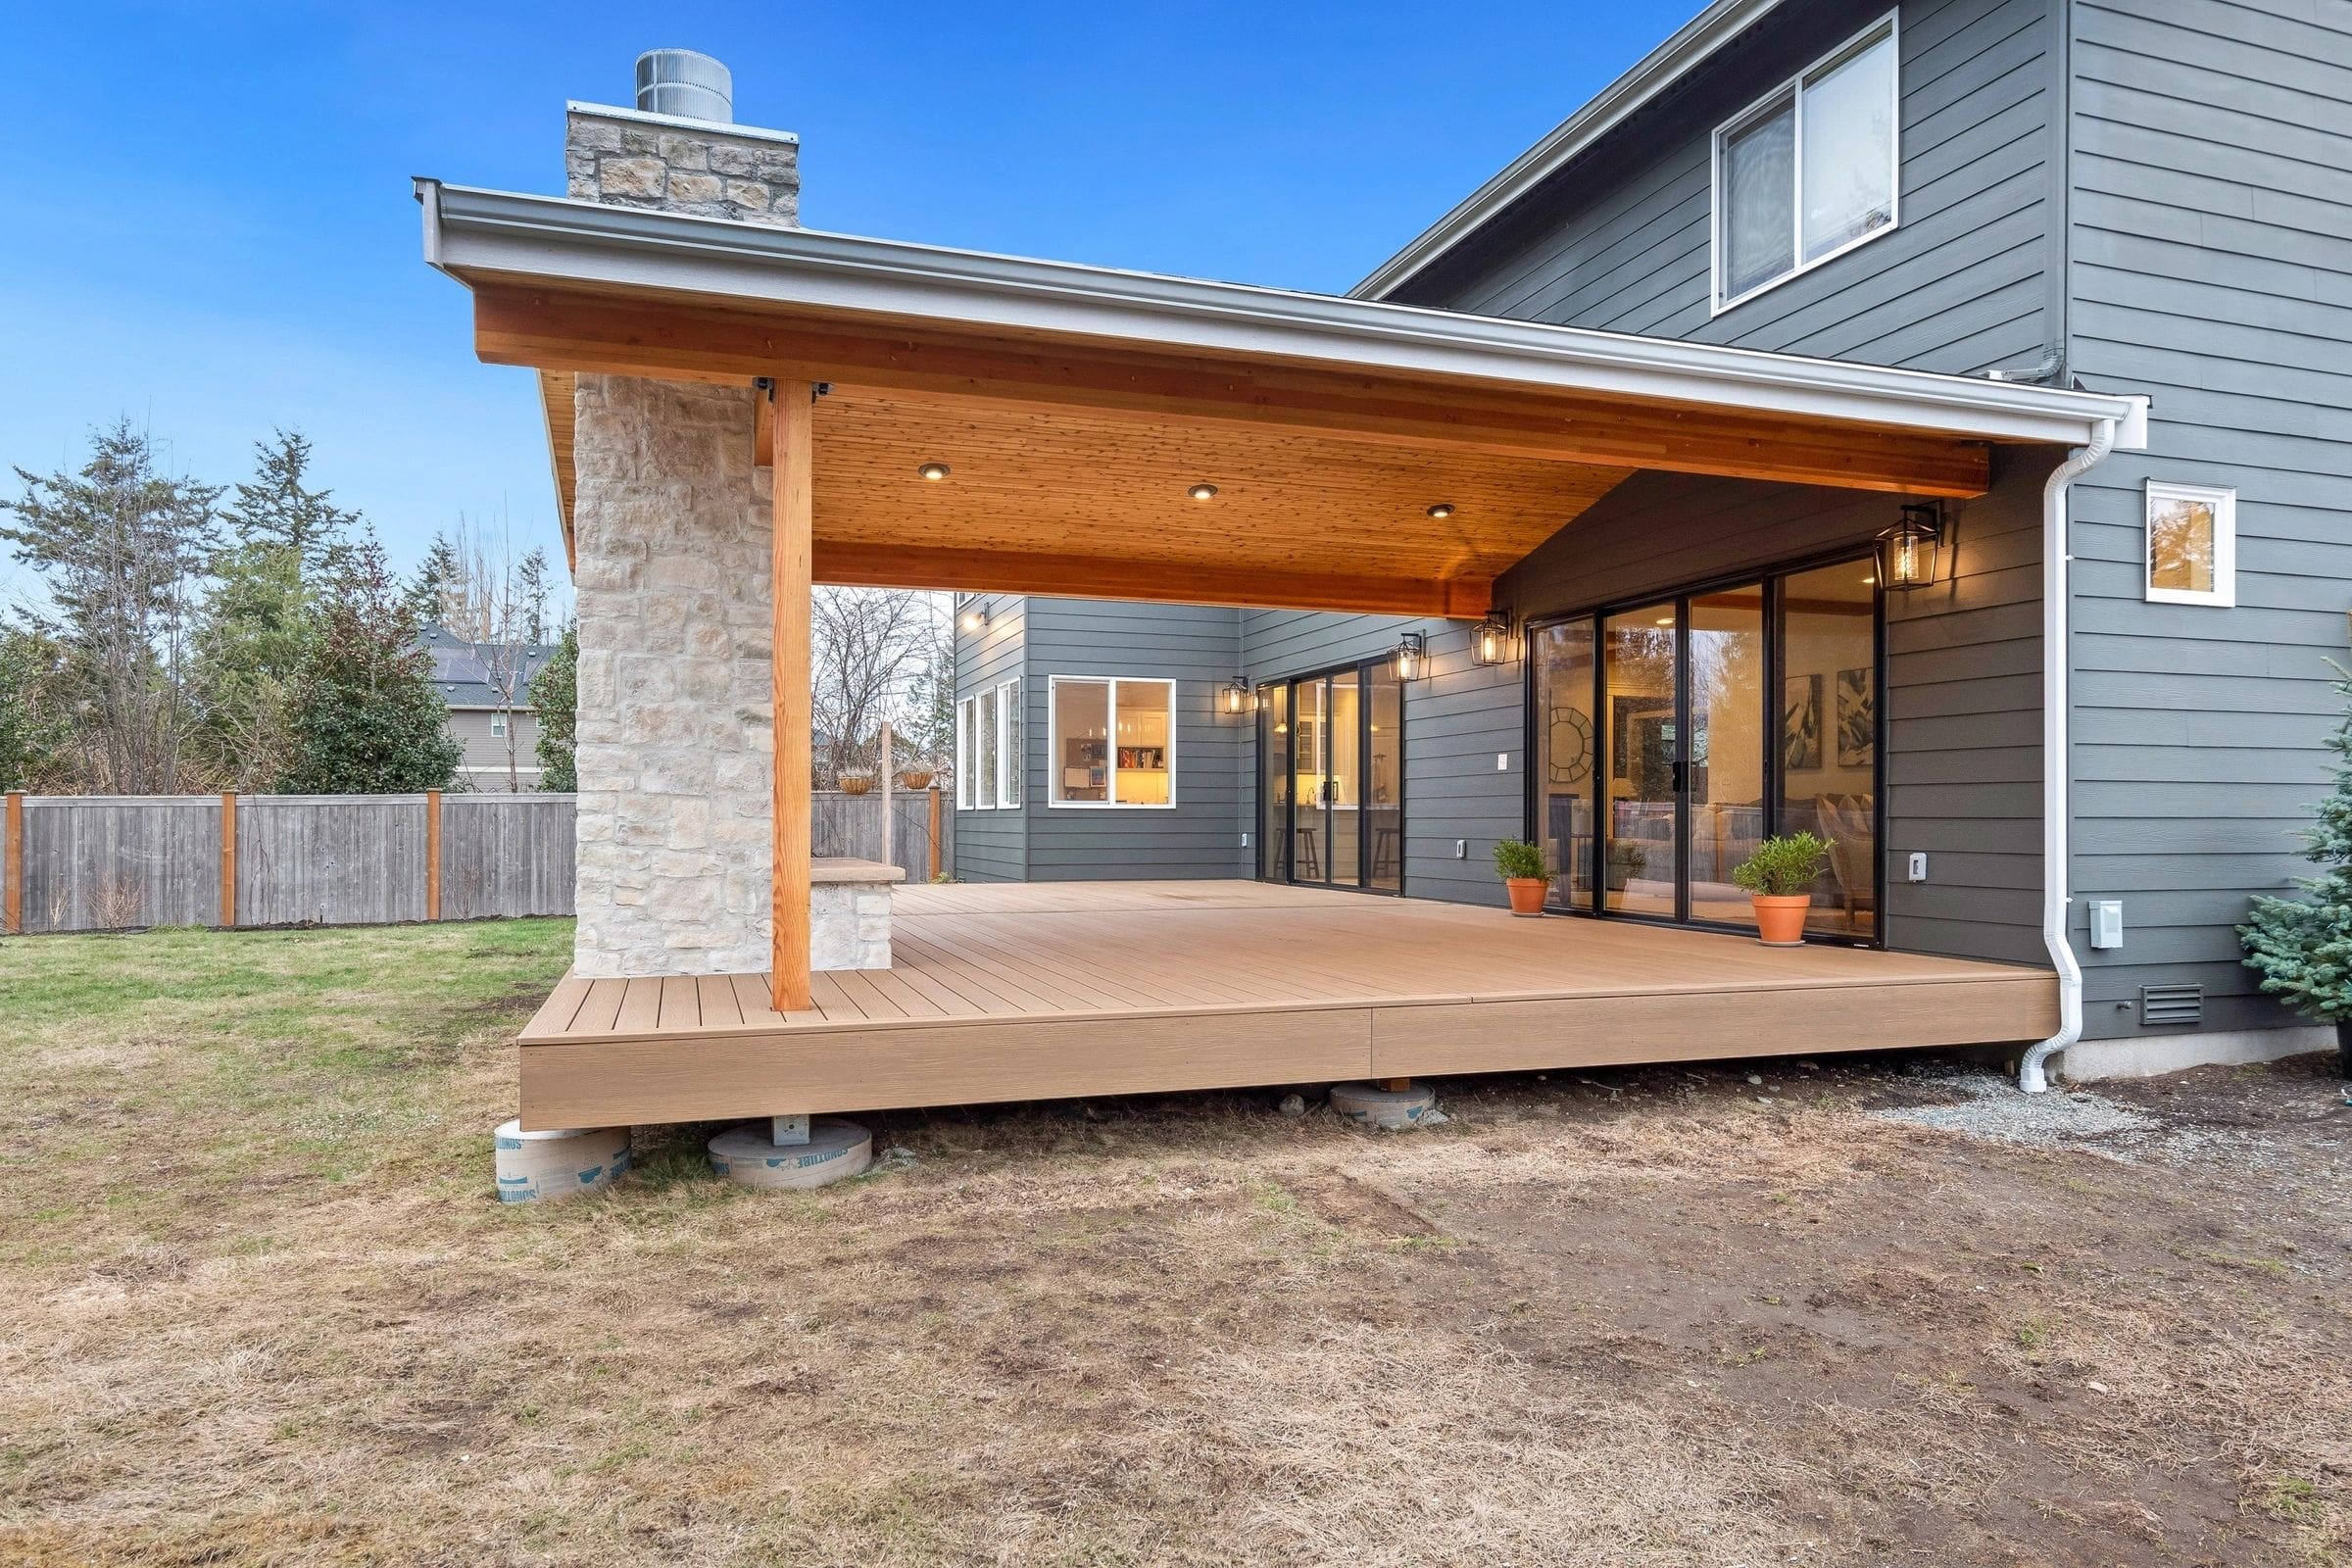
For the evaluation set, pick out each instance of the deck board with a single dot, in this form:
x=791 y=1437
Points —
x=1016 y=991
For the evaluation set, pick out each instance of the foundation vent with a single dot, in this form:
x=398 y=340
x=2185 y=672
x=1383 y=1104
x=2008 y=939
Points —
x=2163 y=1004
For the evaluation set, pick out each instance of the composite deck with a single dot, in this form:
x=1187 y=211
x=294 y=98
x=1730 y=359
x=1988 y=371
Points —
x=1040 y=989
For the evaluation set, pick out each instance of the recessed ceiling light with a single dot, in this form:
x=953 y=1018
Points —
x=1442 y=510
x=933 y=470
x=1202 y=492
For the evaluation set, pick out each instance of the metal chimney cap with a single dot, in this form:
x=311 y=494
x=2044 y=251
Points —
x=685 y=83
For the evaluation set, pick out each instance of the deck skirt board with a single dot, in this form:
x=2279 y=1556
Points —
x=1026 y=991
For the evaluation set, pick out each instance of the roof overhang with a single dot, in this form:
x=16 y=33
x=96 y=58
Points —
x=1692 y=44
x=1050 y=367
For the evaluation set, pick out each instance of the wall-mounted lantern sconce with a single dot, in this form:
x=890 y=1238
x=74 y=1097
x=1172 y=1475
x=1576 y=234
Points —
x=1490 y=640
x=1411 y=660
x=976 y=618
x=1909 y=552
x=1236 y=697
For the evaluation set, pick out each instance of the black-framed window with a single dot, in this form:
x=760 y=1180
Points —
x=1331 y=778
x=1669 y=735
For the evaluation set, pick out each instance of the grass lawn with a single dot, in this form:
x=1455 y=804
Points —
x=258 y=1305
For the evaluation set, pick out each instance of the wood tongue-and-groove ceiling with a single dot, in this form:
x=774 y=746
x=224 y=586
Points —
x=1070 y=459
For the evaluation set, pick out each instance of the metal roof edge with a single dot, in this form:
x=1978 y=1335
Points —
x=1690 y=45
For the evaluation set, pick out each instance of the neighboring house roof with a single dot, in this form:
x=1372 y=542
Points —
x=463 y=671
x=1691 y=45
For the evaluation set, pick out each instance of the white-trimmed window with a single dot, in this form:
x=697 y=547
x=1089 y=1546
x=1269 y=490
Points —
x=989 y=732
x=2193 y=544
x=1110 y=742
x=498 y=724
x=1810 y=169
x=1008 y=749
x=963 y=755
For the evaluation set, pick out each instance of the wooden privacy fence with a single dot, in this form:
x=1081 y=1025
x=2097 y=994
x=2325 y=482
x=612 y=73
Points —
x=109 y=862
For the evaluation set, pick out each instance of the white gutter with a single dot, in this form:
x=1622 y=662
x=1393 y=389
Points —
x=479 y=235
x=1692 y=44
x=2057 y=730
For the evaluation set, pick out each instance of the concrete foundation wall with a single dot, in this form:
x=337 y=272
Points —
x=675 y=720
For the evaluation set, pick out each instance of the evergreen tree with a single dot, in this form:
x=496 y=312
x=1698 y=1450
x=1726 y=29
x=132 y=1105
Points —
x=532 y=589
x=2302 y=948
x=122 y=551
x=441 y=575
x=276 y=507
x=31 y=733
x=257 y=631
x=364 y=717
x=554 y=694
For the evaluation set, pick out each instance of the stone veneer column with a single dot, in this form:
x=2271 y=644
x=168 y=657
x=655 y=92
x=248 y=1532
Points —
x=671 y=528
x=676 y=726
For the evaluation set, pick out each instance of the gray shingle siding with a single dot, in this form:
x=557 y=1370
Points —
x=2211 y=236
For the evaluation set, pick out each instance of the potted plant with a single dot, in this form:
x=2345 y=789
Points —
x=1779 y=877
x=916 y=777
x=1525 y=874
x=856 y=780
x=2302 y=947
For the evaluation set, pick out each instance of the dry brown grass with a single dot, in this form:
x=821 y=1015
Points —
x=257 y=1306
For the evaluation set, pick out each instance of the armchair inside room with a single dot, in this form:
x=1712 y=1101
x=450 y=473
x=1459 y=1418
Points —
x=1846 y=822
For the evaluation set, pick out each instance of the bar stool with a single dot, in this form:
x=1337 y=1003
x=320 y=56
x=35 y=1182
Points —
x=1308 y=865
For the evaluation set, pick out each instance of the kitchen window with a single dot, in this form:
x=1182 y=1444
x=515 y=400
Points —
x=1112 y=742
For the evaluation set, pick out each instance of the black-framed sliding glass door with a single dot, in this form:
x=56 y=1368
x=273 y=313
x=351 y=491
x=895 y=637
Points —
x=1671 y=737
x=1331 y=779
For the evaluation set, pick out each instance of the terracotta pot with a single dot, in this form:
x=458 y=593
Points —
x=1781 y=917
x=1527 y=894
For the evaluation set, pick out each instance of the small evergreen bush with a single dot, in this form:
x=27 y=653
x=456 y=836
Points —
x=1783 y=866
x=1516 y=859
x=2302 y=947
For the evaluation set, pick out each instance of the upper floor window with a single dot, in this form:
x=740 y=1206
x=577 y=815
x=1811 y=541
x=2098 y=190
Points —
x=1809 y=171
x=1112 y=742
x=498 y=726
x=2193 y=544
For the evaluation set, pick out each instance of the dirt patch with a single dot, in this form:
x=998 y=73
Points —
x=1855 y=1313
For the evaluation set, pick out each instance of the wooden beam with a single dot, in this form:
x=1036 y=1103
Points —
x=228 y=860
x=764 y=431
x=12 y=876
x=682 y=341
x=934 y=792
x=432 y=853
x=795 y=419
x=862 y=565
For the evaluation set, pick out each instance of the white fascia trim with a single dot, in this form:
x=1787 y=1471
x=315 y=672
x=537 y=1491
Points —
x=552 y=241
x=1693 y=43
x=705 y=127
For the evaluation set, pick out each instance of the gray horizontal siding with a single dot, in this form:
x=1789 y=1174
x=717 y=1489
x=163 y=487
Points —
x=990 y=845
x=2212 y=240
x=1620 y=240
x=1196 y=647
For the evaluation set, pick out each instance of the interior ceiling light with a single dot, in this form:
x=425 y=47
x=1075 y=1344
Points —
x=933 y=470
x=1442 y=510
x=1202 y=492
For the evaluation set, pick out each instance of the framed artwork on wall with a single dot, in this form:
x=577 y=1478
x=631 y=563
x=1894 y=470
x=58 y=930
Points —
x=1800 y=723
x=1857 y=718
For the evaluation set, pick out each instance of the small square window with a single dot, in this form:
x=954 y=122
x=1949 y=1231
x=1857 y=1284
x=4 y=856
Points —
x=2191 y=544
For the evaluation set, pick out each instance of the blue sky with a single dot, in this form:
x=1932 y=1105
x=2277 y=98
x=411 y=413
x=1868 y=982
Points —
x=210 y=227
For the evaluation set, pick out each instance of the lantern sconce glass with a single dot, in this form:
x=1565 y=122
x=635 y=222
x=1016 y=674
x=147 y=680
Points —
x=1909 y=552
x=1411 y=660
x=1490 y=640
x=1236 y=697
x=975 y=619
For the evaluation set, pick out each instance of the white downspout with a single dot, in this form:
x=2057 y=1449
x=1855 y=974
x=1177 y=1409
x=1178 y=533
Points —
x=2057 y=761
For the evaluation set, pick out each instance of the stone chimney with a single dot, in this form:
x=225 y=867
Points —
x=701 y=163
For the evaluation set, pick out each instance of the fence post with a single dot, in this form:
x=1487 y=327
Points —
x=934 y=832
x=228 y=858
x=13 y=878
x=432 y=854
x=889 y=824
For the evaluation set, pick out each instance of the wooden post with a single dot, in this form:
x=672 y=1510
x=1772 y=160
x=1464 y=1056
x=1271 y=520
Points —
x=228 y=860
x=13 y=851
x=788 y=910
x=433 y=853
x=934 y=832
x=889 y=822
